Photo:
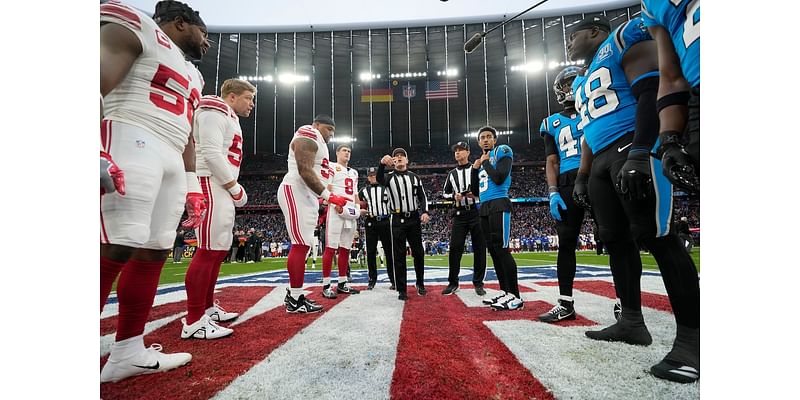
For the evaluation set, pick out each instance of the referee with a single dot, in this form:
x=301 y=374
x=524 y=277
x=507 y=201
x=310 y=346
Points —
x=458 y=187
x=409 y=207
x=377 y=226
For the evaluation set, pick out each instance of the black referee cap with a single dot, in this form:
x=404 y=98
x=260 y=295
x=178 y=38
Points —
x=600 y=21
x=372 y=171
x=460 y=145
x=399 y=150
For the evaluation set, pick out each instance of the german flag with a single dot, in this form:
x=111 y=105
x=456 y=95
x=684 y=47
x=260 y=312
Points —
x=376 y=95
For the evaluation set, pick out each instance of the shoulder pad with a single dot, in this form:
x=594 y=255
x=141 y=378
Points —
x=121 y=14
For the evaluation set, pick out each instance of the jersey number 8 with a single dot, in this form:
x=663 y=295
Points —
x=596 y=99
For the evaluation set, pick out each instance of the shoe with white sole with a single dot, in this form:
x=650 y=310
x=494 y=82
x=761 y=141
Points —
x=149 y=361
x=219 y=314
x=509 y=302
x=204 y=328
x=494 y=299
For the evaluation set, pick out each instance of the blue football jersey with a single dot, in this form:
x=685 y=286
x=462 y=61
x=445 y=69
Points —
x=681 y=18
x=488 y=189
x=564 y=129
x=603 y=94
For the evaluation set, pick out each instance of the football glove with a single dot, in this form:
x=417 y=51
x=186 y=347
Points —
x=580 y=192
x=556 y=202
x=111 y=177
x=238 y=195
x=196 y=208
x=676 y=163
x=634 y=179
x=337 y=200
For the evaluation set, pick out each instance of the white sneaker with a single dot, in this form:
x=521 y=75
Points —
x=509 y=302
x=219 y=314
x=204 y=328
x=150 y=361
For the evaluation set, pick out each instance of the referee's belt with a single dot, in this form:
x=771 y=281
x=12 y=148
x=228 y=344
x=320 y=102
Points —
x=378 y=219
x=407 y=214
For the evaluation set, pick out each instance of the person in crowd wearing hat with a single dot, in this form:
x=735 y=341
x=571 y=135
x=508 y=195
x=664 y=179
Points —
x=458 y=187
x=377 y=227
x=409 y=207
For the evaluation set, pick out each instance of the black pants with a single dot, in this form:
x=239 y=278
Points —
x=568 y=230
x=379 y=230
x=496 y=226
x=465 y=222
x=407 y=228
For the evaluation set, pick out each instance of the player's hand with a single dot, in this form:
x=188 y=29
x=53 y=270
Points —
x=111 y=177
x=556 y=202
x=337 y=200
x=458 y=197
x=580 y=192
x=678 y=167
x=484 y=157
x=477 y=164
x=634 y=180
x=425 y=218
x=238 y=195
x=387 y=160
x=339 y=209
x=196 y=208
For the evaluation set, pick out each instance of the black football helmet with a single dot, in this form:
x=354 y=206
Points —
x=563 y=84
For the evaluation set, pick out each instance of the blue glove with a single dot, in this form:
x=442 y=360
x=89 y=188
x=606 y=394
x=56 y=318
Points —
x=556 y=202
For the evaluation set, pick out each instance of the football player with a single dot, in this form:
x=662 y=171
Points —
x=219 y=155
x=150 y=91
x=340 y=224
x=675 y=26
x=616 y=98
x=309 y=173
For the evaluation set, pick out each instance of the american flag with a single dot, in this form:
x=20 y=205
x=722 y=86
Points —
x=441 y=90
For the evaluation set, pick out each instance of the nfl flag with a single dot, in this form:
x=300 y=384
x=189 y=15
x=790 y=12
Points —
x=441 y=90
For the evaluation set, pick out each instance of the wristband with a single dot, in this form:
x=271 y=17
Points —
x=234 y=187
x=192 y=184
x=552 y=189
x=325 y=194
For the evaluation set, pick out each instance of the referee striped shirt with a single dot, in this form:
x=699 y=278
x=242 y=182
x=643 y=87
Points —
x=405 y=191
x=459 y=180
x=377 y=199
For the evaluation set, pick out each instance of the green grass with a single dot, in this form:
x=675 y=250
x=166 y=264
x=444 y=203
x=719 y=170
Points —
x=175 y=273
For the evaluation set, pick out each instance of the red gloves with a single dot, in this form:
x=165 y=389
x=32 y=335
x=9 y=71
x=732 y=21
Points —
x=111 y=177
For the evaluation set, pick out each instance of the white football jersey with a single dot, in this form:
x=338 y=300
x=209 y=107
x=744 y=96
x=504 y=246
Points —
x=345 y=181
x=162 y=89
x=227 y=148
x=321 y=164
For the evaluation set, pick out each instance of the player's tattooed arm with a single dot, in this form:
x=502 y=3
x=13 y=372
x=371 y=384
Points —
x=304 y=152
x=119 y=49
x=189 y=160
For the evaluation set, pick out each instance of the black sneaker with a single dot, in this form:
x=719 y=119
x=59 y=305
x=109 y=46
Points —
x=371 y=285
x=617 y=310
x=302 y=306
x=563 y=310
x=421 y=290
x=450 y=289
x=393 y=287
x=328 y=293
x=288 y=297
x=494 y=299
x=343 y=288
x=629 y=329
x=402 y=296
x=682 y=363
x=675 y=371
x=479 y=290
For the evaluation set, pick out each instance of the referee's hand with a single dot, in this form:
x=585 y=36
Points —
x=425 y=218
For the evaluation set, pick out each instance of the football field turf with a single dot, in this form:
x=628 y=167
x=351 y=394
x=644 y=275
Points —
x=175 y=273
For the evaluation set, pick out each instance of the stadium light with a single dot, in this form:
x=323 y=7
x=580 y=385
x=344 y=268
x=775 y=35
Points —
x=344 y=139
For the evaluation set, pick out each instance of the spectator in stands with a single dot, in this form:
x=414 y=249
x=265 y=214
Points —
x=177 y=248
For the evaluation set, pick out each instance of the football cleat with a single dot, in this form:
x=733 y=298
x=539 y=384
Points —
x=219 y=314
x=494 y=299
x=342 y=287
x=450 y=289
x=508 y=302
x=563 y=310
x=402 y=296
x=328 y=293
x=480 y=291
x=675 y=371
x=371 y=285
x=393 y=287
x=421 y=290
x=149 y=361
x=302 y=306
x=617 y=310
x=288 y=298
x=630 y=329
x=204 y=328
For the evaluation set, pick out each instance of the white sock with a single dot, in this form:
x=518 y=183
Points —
x=565 y=298
x=326 y=280
x=296 y=292
x=342 y=279
x=127 y=348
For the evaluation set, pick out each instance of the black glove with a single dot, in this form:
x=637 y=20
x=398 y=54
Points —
x=634 y=180
x=676 y=163
x=580 y=192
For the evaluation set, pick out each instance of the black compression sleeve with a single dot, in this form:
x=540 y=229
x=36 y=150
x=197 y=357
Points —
x=646 y=90
x=550 y=146
x=475 y=186
x=499 y=174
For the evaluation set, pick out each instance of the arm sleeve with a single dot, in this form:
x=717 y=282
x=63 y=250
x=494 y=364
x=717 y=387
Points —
x=645 y=89
x=447 y=190
x=475 y=186
x=550 y=147
x=499 y=174
x=421 y=198
x=211 y=124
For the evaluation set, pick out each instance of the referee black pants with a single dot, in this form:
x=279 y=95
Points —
x=407 y=228
x=379 y=230
x=465 y=222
